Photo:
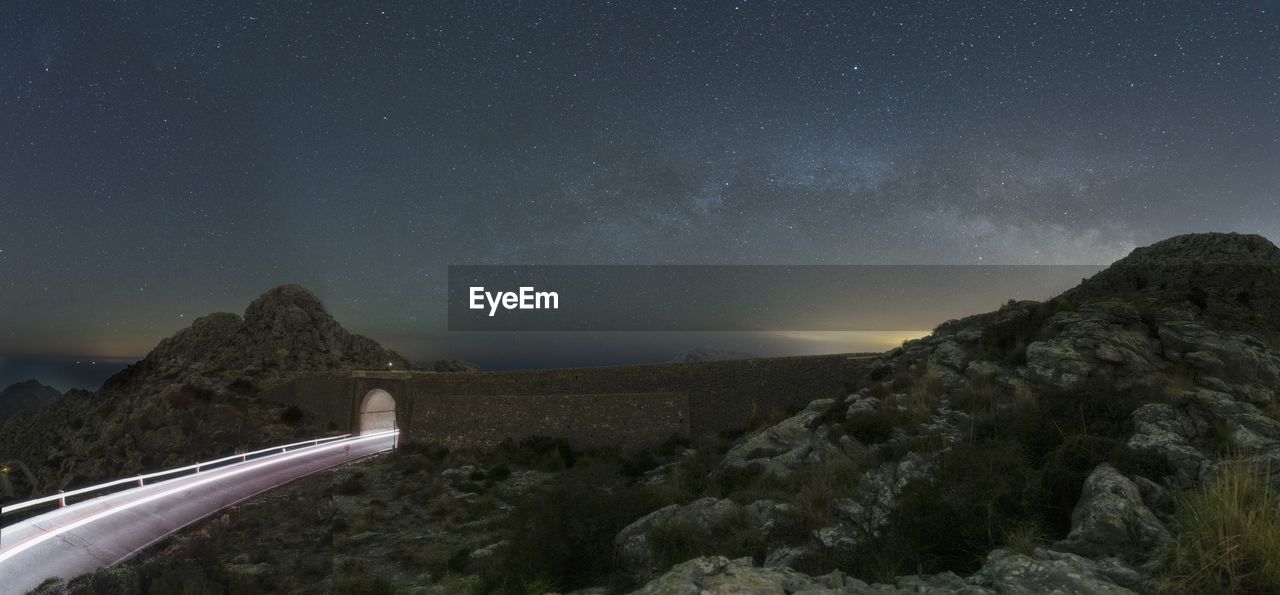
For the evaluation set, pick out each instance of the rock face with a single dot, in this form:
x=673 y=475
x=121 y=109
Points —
x=285 y=329
x=1100 y=340
x=25 y=396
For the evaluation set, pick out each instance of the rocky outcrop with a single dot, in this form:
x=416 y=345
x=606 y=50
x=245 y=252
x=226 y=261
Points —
x=717 y=574
x=1231 y=280
x=285 y=329
x=1182 y=331
x=1003 y=572
x=637 y=543
x=1111 y=518
x=791 y=444
x=1105 y=340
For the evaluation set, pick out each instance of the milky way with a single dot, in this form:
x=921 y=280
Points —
x=160 y=161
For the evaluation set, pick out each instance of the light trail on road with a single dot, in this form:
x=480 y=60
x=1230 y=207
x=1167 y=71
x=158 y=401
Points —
x=39 y=553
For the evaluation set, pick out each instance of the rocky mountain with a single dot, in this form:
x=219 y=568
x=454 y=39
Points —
x=285 y=329
x=25 y=396
x=1123 y=437
x=1227 y=280
x=194 y=395
x=1092 y=443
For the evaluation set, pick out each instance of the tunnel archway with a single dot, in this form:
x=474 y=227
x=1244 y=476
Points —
x=377 y=412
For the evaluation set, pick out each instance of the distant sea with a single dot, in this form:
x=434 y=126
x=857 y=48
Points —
x=62 y=373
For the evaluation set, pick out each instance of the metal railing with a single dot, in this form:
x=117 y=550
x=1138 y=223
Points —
x=140 y=480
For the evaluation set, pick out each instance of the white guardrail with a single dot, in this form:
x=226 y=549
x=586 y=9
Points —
x=61 y=497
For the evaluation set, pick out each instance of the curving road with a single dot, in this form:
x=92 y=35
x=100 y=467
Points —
x=81 y=537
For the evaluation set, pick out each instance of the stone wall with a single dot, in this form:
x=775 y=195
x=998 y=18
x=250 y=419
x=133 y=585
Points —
x=625 y=421
x=717 y=396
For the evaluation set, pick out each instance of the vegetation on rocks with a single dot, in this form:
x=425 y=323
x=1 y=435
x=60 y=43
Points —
x=1085 y=444
x=1227 y=535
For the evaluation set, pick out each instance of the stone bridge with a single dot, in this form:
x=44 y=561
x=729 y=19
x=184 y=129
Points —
x=619 y=406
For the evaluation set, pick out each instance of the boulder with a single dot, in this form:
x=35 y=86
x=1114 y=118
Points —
x=787 y=446
x=637 y=542
x=1045 y=572
x=1003 y=572
x=1170 y=432
x=717 y=574
x=1102 y=341
x=1112 y=519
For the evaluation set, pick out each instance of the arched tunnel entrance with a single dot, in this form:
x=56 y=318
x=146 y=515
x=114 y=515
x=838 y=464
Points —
x=377 y=412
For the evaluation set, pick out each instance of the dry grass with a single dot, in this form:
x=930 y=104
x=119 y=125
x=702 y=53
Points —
x=1227 y=536
x=1023 y=396
x=922 y=397
x=818 y=488
x=1178 y=380
x=979 y=397
x=1024 y=539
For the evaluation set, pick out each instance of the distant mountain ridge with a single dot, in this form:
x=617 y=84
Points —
x=25 y=396
x=706 y=354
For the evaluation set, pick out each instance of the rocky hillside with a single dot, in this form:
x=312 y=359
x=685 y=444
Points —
x=25 y=396
x=193 y=396
x=1100 y=442
x=285 y=329
x=1120 y=438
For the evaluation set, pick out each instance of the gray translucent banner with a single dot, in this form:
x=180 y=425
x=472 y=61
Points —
x=740 y=297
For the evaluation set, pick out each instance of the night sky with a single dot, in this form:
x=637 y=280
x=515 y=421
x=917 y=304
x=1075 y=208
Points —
x=162 y=160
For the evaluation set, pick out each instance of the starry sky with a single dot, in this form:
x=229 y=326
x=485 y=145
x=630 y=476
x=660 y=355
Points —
x=162 y=160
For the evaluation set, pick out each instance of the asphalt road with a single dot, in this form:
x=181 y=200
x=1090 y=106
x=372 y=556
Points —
x=67 y=542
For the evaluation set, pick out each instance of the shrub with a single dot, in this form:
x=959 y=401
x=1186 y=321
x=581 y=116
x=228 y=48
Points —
x=561 y=536
x=736 y=536
x=815 y=490
x=351 y=485
x=923 y=395
x=1064 y=471
x=1007 y=340
x=187 y=396
x=979 y=397
x=872 y=427
x=979 y=494
x=1227 y=536
x=244 y=387
x=291 y=416
x=355 y=579
x=412 y=457
x=536 y=452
